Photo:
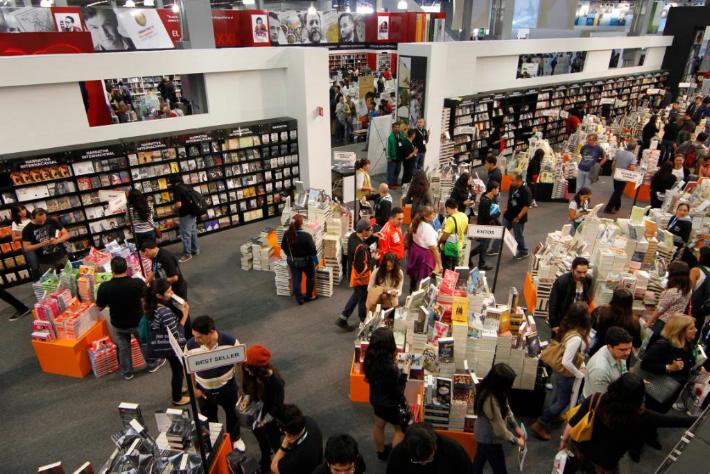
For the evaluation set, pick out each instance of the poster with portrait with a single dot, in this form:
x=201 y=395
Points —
x=276 y=36
x=312 y=31
x=291 y=27
x=68 y=22
x=351 y=28
x=411 y=88
x=383 y=27
x=26 y=20
x=144 y=28
x=259 y=29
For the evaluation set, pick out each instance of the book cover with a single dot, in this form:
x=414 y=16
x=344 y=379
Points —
x=448 y=285
x=446 y=349
x=443 y=391
x=459 y=309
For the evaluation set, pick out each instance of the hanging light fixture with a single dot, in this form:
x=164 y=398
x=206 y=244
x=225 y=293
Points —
x=148 y=3
x=129 y=4
x=312 y=10
x=402 y=5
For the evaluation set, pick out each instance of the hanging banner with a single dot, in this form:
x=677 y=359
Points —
x=383 y=31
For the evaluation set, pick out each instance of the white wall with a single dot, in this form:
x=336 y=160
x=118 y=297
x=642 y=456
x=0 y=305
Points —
x=41 y=106
x=472 y=67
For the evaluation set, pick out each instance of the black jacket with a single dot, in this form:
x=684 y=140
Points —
x=383 y=207
x=661 y=353
x=680 y=228
x=670 y=131
x=495 y=175
x=449 y=458
x=460 y=195
x=660 y=184
x=562 y=296
x=387 y=390
x=302 y=246
x=484 y=212
x=533 y=169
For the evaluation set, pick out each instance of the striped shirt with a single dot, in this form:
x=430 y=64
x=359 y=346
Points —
x=163 y=321
x=141 y=226
x=213 y=379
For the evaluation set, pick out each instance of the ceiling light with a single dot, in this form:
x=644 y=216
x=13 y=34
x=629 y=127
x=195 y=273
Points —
x=365 y=9
x=129 y=4
x=175 y=8
x=148 y=3
x=45 y=3
x=402 y=5
x=312 y=10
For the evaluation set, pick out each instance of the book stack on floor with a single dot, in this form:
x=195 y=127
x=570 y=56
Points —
x=324 y=281
x=103 y=356
x=137 y=359
x=282 y=278
x=246 y=257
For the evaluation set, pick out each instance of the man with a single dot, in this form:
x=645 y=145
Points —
x=390 y=236
x=21 y=308
x=592 y=154
x=408 y=155
x=670 y=134
x=568 y=288
x=103 y=26
x=350 y=111
x=516 y=215
x=124 y=297
x=609 y=363
x=695 y=110
x=394 y=164
x=165 y=266
x=274 y=28
x=685 y=130
x=341 y=456
x=693 y=151
x=421 y=138
x=341 y=120
x=301 y=448
x=215 y=387
x=488 y=212
x=188 y=220
x=453 y=235
x=674 y=113
x=491 y=166
x=623 y=160
x=423 y=450
x=46 y=237
x=312 y=27
x=383 y=204
x=359 y=263
x=69 y=25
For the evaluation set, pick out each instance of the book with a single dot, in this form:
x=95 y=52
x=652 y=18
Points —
x=443 y=391
x=459 y=309
x=129 y=412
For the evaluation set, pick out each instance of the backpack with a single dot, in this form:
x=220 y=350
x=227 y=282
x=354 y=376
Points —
x=194 y=202
x=700 y=301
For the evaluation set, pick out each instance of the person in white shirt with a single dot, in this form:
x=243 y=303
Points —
x=609 y=363
x=423 y=255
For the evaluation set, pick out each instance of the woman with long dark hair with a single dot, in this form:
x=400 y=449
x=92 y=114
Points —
x=495 y=423
x=573 y=334
x=387 y=385
x=619 y=312
x=463 y=192
x=301 y=256
x=20 y=218
x=159 y=311
x=675 y=298
x=423 y=255
x=140 y=215
x=418 y=194
x=579 y=207
x=533 y=171
x=385 y=285
x=661 y=182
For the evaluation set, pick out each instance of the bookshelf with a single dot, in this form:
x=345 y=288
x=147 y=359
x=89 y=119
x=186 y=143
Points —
x=244 y=171
x=349 y=61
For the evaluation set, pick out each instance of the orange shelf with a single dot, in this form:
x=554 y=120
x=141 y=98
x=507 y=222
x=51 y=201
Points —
x=359 y=388
x=505 y=185
x=69 y=357
x=219 y=464
x=530 y=293
x=644 y=192
x=465 y=439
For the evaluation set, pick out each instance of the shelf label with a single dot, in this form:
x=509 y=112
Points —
x=217 y=358
x=485 y=231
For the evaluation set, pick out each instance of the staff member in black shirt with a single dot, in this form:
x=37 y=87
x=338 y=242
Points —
x=383 y=204
x=124 y=297
x=516 y=215
x=341 y=456
x=166 y=266
x=421 y=138
x=46 y=238
x=407 y=153
x=488 y=212
x=302 y=257
x=680 y=225
x=301 y=449
x=424 y=451
x=491 y=166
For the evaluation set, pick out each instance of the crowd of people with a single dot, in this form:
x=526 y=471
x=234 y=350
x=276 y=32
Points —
x=164 y=104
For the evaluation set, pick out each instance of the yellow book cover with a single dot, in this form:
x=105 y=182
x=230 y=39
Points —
x=162 y=183
x=504 y=325
x=459 y=309
x=174 y=168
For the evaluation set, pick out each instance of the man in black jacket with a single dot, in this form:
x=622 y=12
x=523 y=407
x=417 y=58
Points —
x=488 y=212
x=491 y=166
x=568 y=288
x=383 y=204
x=424 y=451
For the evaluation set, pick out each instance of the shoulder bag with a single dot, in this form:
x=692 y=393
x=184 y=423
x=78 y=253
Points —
x=582 y=431
x=553 y=353
x=451 y=246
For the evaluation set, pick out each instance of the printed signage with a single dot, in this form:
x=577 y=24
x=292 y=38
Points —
x=485 y=231
x=217 y=358
x=510 y=243
x=635 y=177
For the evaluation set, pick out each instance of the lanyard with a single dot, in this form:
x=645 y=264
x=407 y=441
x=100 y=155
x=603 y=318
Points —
x=672 y=222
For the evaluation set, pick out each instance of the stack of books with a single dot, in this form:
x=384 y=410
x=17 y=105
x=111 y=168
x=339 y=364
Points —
x=103 y=356
x=282 y=278
x=246 y=256
x=331 y=255
x=137 y=359
x=130 y=411
x=526 y=380
x=179 y=433
x=459 y=334
x=324 y=281
x=480 y=352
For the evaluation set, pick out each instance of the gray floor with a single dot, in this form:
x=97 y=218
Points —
x=46 y=418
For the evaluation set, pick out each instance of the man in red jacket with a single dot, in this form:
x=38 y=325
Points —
x=391 y=238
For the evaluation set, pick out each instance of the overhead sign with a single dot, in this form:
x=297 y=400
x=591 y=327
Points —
x=635 y=177
x=485 y=231
x=217 y=358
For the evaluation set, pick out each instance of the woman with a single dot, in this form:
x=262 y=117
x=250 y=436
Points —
x=418 y=194
x=617 y=427
x=385 y=285
x=163 y=319
x=533 y=171
x=574 y=336
x=301 y=256
x=387 y=385
x=140 y=215
x=363 y=184
x=675 y=298
x=662 y=181
x=671 y=354
x=423 y=256
x=619 y=313
x=20 y=218
x=579 y=207
x=649 y=131
x=261 y=383
x=680 y=171
x=681 y=226
x=463 y=192
x=495 y=423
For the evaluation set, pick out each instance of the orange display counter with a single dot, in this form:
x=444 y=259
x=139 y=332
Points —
x=465 y=439
x=359 y=388
x=219 y=463
x=69 y=357
x=529 y=293
x=505 y=185
x=644 y=192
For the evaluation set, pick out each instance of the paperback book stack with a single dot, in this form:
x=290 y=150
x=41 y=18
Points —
x=316 y=229
x=136 y=355
x=76 y=320
x=43 y=331
x=246 y=257
x=179 y=433
x=128 y=412
x=260 y=254
x=324 y=281
x=103 y=356
x=331 y=256
x=282 y=277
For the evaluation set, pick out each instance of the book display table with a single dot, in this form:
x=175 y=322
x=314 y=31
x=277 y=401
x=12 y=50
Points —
x=359 y=388
x=219 y=458
x=465 y=439
x=644 y=192
x=69 y=357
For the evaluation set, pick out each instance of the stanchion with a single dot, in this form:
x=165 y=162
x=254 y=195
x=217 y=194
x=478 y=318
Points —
x=500 y=254
x=195 y=417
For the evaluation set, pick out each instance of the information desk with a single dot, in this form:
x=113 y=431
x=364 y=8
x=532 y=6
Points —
x=69 y=357
x=644 y=192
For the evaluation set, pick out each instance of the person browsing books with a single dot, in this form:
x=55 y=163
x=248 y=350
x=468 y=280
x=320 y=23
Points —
x=185 y=207
x=140 y=215
x=592 y=156
x=382 y=204
x=390 y=236
x=491 y=166
x=385 y=285
x=46 y=237
x=423 y=257
x=488 y=213
x=675 y=298
x=215 y=387
x=425 y=451
x=453 y=235
x=166 y=266
x=578 y=208
x=302 y=257
x=516 y=215
x=20 y=218
x=609 y=362
x=624 y=159
x=301 y=449
x=619 y=312
x=418 y=194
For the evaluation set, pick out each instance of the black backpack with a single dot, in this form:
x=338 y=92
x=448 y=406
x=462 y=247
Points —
x=700 y=301
x=194 y=202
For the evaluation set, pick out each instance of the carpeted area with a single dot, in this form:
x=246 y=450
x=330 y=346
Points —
x=48 y=418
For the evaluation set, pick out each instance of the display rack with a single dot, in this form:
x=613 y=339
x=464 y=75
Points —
x=140 y=86
x=243 y=171
x=349 y=61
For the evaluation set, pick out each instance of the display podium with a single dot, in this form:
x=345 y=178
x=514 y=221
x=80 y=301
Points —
x=644 y=191
x=359 y=388
x=69 y=357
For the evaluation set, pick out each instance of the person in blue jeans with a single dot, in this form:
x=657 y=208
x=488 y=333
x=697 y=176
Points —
x=591 y=153
x=302 y=257
x=516 y=215
x=188 y=221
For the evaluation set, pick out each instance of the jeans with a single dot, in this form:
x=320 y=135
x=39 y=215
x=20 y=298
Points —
x=141 y=237
x=348 y=130
x=583 y=180
x=517 y=230
x=123 y=341
x=420 y=161
x=188 y=235
x=32 y=262
x=269 y=439
x=225 y=397
x=358 y=298
x=296 y=275
x=19 y=306
x=493 y=453
x=176 y=378
x=614 y=203
x=393 y=168
x=561 y=393
x=481 y=250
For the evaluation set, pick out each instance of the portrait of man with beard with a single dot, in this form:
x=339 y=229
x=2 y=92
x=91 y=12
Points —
x=313 y=32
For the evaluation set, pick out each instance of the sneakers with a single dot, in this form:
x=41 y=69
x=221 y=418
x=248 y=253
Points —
x=19 y=314
x=492 y=253
x=534 y=203
x=239 y=445
x=128 y=376
x=185 y=258
x=522 y=256
x=157 y=366
x=343 y=324
x=540 y=431
x=182 y=402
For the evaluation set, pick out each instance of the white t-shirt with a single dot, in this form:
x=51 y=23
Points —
x=573 y=205
x=425 y=236
x=18 y=227
x=678 y=173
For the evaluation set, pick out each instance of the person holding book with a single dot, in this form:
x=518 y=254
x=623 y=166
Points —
x=301 y=256
x=139 y=212
x=301 y=449
x=342 y=456
x=425 y=451
x=20 y=218
x=166 y=266
x=624 y=159
x=391 y=239
x=516 y=215
x=159 y=311
x=675 y=298
x=262 y=383
x=453 y=235
x=46 y=237
x=495 y=423
x=216 y=387
x=569 y=287
x=463 y=193
x=579 y=207
x=423 y=257
x=385 y=285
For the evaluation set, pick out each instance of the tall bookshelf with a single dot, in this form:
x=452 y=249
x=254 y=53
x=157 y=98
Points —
x=244 y=171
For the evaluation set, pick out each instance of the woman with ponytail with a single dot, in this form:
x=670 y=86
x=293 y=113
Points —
x=423 y=256
x=301 y=256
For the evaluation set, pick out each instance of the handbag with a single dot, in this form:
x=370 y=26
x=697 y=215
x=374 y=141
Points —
x=144 y=330
x=553 y=353
x=250 y=414
x=451 y=246
x=660 y=387
x=582 y=431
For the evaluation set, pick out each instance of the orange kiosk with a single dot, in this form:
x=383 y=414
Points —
x=644 y=191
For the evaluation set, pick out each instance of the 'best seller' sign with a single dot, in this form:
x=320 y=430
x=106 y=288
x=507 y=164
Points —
x=217 y=358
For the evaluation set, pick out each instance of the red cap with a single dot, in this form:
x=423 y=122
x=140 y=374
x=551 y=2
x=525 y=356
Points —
x=258 y=356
